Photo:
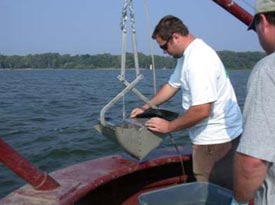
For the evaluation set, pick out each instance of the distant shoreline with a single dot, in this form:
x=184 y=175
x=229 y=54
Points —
x=232 y=60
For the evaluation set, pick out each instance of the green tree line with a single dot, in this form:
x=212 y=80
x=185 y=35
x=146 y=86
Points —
x=231 y=60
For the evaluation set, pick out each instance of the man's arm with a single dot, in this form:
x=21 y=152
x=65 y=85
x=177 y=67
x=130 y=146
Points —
x=163 y=95
x=192 y=116
x=249 y=173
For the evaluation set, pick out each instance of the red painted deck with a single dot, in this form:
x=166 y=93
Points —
x=108 y=180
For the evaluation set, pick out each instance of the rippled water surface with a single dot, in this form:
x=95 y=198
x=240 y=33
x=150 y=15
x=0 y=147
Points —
x=48 y=115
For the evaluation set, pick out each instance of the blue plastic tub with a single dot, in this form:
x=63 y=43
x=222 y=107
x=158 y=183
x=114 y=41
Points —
x=195 y=193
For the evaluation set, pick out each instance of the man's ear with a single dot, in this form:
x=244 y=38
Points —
x=175 y=35
x=264 y=21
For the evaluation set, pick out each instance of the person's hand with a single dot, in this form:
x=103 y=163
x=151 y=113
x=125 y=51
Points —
x=136 y=111
x=158 y=125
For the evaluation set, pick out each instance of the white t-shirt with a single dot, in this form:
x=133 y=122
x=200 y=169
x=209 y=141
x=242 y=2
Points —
x=202 y=78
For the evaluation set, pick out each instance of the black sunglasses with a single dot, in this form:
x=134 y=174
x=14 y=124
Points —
x=165 y=46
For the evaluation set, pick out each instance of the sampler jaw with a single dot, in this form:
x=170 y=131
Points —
x=133 y=136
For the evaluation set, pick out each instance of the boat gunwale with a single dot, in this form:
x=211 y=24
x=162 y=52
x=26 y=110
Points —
x=94 y=174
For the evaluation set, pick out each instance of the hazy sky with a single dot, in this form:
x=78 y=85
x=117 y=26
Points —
x=93 y=26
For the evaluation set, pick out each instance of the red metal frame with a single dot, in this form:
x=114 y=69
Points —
x=235 y=10
x=24 y=169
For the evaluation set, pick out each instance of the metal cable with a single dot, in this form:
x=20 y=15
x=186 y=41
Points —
x=248 y=4
x=178 y=152
x=149 y=26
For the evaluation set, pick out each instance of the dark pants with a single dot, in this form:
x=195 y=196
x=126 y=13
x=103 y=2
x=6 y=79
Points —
x=214 y=163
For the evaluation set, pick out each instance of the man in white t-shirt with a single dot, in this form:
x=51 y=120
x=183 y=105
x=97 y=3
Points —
x=211 y=115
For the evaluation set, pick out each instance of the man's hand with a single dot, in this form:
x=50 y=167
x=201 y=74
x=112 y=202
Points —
x=158 y=125
x=136 y=111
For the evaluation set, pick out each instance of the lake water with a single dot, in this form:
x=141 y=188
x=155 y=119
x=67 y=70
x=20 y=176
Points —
x=48 y=115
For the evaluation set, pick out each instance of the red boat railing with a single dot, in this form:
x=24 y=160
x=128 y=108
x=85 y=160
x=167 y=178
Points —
x=24 y=169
